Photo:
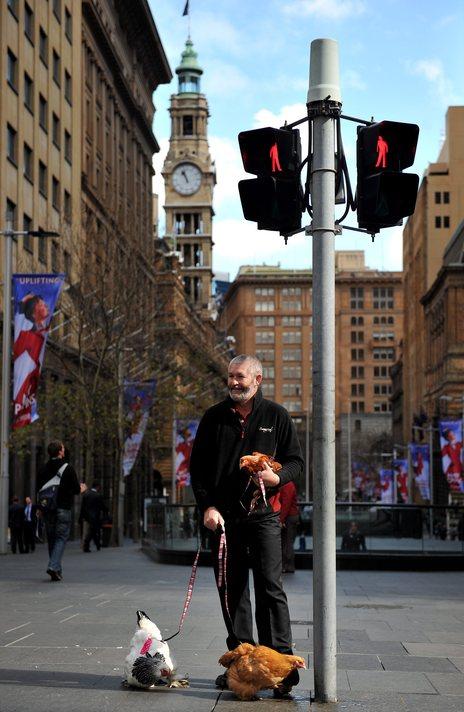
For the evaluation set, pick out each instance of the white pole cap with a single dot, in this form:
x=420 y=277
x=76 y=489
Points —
x=324 y=76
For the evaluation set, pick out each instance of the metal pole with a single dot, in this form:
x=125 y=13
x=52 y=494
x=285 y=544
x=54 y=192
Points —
x=431 y=464
x=122 y=483
x=324 y=83
x=6 y=394
x=307 y=456
x=350 y=473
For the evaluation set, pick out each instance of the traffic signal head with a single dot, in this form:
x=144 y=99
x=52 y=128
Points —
x=384 y=193
x=275 y=198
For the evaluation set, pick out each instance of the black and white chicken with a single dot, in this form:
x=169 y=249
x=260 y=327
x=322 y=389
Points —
x=149 y=662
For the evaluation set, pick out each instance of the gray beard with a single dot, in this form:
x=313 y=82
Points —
x=241 y=396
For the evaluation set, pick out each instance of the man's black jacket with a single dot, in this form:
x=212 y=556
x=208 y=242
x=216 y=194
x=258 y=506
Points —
x=69 y=484
x=220 y=442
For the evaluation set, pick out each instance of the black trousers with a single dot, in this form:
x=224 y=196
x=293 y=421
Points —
x=16 y=539
x=29 y=536
x=254 y=543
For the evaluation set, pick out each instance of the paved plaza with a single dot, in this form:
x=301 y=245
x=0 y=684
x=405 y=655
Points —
x=62 y=645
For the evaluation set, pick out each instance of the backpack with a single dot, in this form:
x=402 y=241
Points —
x=47 y=495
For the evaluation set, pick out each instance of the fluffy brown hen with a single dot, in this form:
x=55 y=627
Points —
x=255 y=667
x=255 y=463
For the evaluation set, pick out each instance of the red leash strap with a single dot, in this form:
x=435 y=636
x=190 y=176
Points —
x=188 y=597
x=263 y=490
x=222 y=572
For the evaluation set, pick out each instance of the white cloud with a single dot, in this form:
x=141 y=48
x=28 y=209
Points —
x=352 y=80
x=432 y=70
x=327 y=9
x=224 y=79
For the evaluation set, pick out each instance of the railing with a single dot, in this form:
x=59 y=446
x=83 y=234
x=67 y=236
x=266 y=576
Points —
x=398 y=529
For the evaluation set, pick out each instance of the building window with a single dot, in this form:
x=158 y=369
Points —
x=28 y=163
x=43 y=180
x=357 y=298
x=10 y=215
x=357 y=371
x=293 y=406
x=438 y=221
x=264 y=291
x=383 y=354
x=268 y=389
x=55 y=193
x=67 y=87
x=357 y=337
x=291 y=305
x=357 y=407
x=264 y=306
x=12 y=70
x=291 y=292
x=11 y=144
x=268 y=372
x=382 y=389
x=56 y=133
x=265 y=354
x=381 y=372
x=357 y=321
x=67 y=205
x=43 y=112
x=264 y=320
x=42 y=242
x=28 y=23
x=188 y=224
x=43 y=46
x=291 y=321
x=187 y=125
x=446 y=197
x=291 y=389
x=437 y=197
x=68 y=24
x=27 y=239
x=291 y=337
x=55 y=257
x=57 y=9
x=293 y=372
x=28 y=93
x=383 y=298
x=357 y=354
x=265 y=337
x=67 y=264
x=291 y=354
x=13 y=7
x=56 y=68
x=446 y=221
x=67 y=146
x=357 y=389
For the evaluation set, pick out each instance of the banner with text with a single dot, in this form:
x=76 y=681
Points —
x=451 y=453
x=184 y=435
x=400 y=468
x=35 y=297
x=138 y=399
x=420 y=459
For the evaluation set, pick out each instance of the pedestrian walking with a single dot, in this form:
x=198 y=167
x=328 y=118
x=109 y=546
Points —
x=353 y=540
x=289 y=519
x=16 y=524
x=58 y=521
x=93 y=509
x=244 y=423
x=30 y=525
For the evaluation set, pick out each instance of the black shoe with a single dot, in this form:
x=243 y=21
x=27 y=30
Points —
x=54 y=575
x=221 y=681
x=282 y=693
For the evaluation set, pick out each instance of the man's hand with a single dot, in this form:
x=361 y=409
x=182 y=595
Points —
x=212 y=518
x=270 y=479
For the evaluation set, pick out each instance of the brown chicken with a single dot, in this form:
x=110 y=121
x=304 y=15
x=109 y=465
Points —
x=255 y=667
x=255 y=463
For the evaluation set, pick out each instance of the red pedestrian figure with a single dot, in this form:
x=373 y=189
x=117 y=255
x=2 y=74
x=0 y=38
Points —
x=382 y=150
x=274 y=154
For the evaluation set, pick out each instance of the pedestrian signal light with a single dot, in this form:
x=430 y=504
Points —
x=274 y=199
x=384 y=194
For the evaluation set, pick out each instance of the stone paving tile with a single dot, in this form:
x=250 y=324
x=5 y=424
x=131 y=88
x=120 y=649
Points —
x=358 y=662
x=439 y=650
x=397 y=634
x=458 y=662
x=446 y=637
x=416 y=663
x=346 y=635
x=376 y=647
x=389 y=681
x=448 y=683
x=355 y=701
x=430 y=703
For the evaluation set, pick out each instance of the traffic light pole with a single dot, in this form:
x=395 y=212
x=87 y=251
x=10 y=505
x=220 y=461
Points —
x=324 y=107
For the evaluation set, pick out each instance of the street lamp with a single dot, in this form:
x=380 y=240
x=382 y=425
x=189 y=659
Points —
x=8 y=235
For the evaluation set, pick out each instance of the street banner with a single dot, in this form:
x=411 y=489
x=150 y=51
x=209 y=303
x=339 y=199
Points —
x=184 y=435
x=386 y=485
x=138 y=399
x=420 y=458
x=451 y=453
x=400 y=468
x=364 y=479
x=35 y=297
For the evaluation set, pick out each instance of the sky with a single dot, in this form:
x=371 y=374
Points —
x=400 y=60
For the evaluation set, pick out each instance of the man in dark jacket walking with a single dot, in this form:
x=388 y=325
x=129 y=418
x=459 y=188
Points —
x=16 y=524
x=92 y=510
x=58 y=523
x=231 y=499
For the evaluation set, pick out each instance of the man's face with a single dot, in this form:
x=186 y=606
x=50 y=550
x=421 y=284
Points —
x=242 y=384
x=28 y=500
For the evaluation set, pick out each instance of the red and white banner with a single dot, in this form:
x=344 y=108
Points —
x=451 y=453
x=184 y=435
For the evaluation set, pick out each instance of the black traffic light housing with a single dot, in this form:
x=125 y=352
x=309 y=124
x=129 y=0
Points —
x=385 y=195
x=275 y=198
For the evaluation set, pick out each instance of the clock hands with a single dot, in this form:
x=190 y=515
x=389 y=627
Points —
x=185 y=176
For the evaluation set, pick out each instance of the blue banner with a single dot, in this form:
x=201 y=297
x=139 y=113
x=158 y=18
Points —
x=451 y=453
x=138 y=399
x=400 y=468
x=420 y=457
x=35 y=297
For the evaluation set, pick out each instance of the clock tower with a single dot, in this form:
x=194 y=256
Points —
x=189 y=177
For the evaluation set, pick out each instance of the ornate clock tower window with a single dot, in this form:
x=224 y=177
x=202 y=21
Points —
x=189 y=177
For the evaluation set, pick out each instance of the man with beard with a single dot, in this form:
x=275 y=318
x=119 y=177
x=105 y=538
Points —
x=231 y=499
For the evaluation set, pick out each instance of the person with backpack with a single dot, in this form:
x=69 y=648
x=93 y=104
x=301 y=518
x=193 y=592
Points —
x=56 y=499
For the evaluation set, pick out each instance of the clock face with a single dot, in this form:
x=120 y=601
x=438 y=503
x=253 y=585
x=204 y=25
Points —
x=186 y=178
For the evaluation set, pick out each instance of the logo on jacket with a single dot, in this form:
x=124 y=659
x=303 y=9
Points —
x=266 y=430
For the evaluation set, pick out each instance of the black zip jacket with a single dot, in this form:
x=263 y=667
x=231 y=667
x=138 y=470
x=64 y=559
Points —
x=221 y=441
x=69 y=484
